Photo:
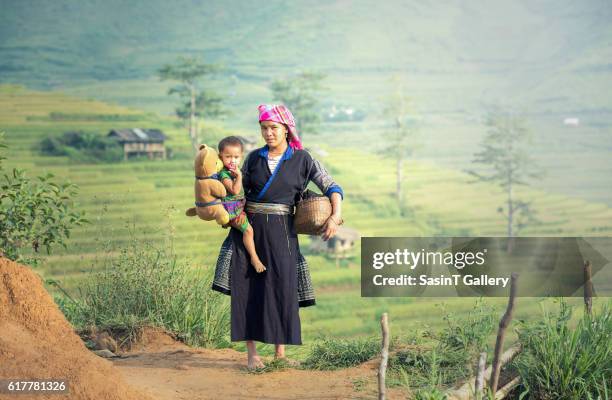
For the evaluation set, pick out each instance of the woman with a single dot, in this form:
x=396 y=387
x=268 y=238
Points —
x=265 y=306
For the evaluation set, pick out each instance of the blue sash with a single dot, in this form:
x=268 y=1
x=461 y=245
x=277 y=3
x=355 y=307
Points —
x=271 y=178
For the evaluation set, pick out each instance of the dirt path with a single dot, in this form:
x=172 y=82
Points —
x=187 y=373
x=37 y=341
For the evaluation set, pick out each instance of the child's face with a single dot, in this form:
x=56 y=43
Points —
x=231 y=156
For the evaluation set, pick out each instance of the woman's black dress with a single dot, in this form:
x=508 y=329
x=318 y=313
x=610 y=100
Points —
x=264 y=306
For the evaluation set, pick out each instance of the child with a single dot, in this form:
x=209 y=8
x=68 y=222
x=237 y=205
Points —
x=230 y=153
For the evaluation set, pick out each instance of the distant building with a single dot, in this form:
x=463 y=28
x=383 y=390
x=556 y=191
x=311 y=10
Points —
x=571 y=121
x=248 y=143
x=137 y=142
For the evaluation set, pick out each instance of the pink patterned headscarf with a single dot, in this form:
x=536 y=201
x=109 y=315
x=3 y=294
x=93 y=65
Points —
x=281 y=114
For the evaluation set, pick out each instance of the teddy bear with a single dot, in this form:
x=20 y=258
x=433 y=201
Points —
x=208 y=189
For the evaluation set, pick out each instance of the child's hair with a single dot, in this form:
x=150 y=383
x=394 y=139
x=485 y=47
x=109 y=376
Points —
x=230 y=141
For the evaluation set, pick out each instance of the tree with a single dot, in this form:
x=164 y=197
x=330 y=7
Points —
x=400 y=138
x=189 y=72
x=504 y=151
x=34 y=213
x=208 y=104
x=301 y=95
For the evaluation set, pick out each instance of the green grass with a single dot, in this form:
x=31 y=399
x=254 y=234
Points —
x=559 y=361
x=333 y=353
x=438 y=358
x=146 y=286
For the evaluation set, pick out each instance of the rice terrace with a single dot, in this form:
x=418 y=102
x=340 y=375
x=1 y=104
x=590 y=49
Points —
x=106 y=283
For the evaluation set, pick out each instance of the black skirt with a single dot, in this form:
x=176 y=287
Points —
x=264 y=306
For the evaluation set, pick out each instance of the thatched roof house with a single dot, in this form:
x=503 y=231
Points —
x=136 y=141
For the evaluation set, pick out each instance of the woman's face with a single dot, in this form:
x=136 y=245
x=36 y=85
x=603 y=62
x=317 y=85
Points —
x=273 y=133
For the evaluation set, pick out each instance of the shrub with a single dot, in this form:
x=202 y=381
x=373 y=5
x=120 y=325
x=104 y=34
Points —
x=562 y=363
x=82 y=147
x=34 y=214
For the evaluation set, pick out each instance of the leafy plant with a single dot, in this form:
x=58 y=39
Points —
x=34 y=213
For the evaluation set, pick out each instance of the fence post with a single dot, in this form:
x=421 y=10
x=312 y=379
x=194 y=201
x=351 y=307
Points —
x=384 y=324
x=501 y=333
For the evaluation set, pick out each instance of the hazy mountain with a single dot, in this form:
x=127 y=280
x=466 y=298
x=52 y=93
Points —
x=551 y=51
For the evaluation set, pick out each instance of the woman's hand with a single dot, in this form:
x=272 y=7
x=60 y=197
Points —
x=330 y=227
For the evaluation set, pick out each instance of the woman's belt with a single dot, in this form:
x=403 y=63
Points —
x=268 y=208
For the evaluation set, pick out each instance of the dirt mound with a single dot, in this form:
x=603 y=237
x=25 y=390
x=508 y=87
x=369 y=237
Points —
x=38 y=343
x=155 y=339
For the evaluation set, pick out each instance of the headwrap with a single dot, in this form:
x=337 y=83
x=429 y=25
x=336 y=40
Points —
x=281 y=114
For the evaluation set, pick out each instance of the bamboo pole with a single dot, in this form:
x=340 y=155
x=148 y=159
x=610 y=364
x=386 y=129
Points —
x=505 y=391
x=384 y=324
x=479 y=384
x=501 y=334
x=588 y=288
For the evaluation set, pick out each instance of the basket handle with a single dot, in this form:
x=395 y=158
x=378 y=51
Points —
x=306 y=181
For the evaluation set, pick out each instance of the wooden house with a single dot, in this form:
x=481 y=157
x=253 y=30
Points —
x=137 y=142
x=339 y=245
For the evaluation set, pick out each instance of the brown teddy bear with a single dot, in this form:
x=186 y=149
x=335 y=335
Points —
x=208 y=189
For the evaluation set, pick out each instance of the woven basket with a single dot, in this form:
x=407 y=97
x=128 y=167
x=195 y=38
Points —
x=311 y=213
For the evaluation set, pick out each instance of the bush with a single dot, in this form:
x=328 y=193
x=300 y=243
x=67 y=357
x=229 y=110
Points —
x=34 y=214
x=146 y=286
x=82 y=147
x=52 y=147
x=562 y=363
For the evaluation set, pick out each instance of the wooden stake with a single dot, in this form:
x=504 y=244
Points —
x=384 y=324
x=588 y=288
x=501 y=333
x=479 y=384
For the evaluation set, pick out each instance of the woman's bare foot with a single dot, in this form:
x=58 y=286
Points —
x=255 y=362
x=288 y=361
x=259 y=267
x=279 y=354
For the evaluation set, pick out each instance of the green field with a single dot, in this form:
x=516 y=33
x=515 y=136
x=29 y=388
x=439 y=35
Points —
x=148 y=199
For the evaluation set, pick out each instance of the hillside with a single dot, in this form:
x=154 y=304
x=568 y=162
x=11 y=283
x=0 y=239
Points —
x=553 y=54
x=147 y=200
